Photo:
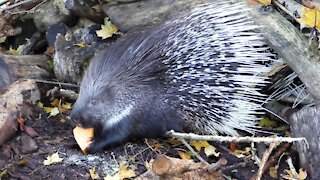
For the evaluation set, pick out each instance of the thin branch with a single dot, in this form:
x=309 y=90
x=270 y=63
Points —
x=267 y=140
x=55 y=83
x=15 y=5
x=193 y=152
x=265 y=158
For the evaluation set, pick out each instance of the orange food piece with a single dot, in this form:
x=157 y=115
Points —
x=83 y=137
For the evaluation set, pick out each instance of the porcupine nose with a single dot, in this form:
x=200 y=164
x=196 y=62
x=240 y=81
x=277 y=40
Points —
x=75 y=116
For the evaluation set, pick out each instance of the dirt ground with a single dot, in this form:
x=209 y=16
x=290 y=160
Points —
x=55 y=136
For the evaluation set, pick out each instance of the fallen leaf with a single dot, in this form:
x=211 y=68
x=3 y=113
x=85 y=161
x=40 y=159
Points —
x=126 y=173
x=54 y=158
x=266 y=122
x=107 y=30
x=23 y=162
x=16 y=51
x=55 y=103
x=148 y=165
x=273 y=172
x=81 y=44
x=199 y=144
x=184 y=155
x=40 y=104
x=93 y=174
x=65 y=107
x=54 y=111
x=211 y=150
x=47 y=109
x=233 y=146
x=3 y=173
x=114 y=177
x=302 y=174
x=62 y=120
x=242 y=153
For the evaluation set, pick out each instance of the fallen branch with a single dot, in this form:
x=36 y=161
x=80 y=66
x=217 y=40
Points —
x=264 y=161
x=267 y=140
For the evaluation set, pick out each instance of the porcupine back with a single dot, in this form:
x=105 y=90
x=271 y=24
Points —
x=209 y=63
x=217 y=62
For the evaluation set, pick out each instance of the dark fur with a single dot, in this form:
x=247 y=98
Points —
x=151 y=117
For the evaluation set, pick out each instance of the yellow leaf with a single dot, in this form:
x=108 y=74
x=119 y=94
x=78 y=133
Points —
x=66 y=105
x=47 y=109
x=114 y=177
x=265 y=2
x=242 y=153
x=273 y=172
x=184 y=155
x=54 y=158
x=16 y=51
x=81 y=44
x=93 y=174
x=3 y=173
x=199 y=144
x=107 y=30
x=62 y=120
x=148 y=165
x=266 y=122
x=211 y=150
x=3 y=39
x=126 y=173
x=55 y=103
x=54 y=111
x=302 y=174
x=40 y=104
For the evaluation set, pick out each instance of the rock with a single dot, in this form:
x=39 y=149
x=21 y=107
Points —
x=54 y=30
x=50 y=13
x=28 y=145
x=16 y=100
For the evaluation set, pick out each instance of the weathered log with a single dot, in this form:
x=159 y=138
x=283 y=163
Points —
x=149 y=12
x=70 y=60
x=29 y=66
x=293 y=47
x=15 y=101
x=306 y=123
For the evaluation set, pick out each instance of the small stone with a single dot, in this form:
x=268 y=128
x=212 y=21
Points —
x=28 y=145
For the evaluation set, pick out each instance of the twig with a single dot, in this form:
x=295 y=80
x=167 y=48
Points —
x=264 y=160
x=2 y=2
x=193 y=152
x=268 y=140
x=235 y=166
x=28 y=11
x=15 y=5
x=273 y=160
x=56 y=83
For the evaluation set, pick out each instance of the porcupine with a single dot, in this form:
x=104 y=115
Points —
x=201 y=72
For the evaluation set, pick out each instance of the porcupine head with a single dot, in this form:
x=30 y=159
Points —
x=200 y=72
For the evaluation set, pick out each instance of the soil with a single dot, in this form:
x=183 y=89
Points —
x=56 y=136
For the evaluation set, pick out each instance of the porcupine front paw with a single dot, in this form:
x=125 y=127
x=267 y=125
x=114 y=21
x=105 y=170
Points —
x=95 y=146
x=106 y=140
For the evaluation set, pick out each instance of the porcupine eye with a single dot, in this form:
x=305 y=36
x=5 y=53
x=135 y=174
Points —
x=92 y=103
